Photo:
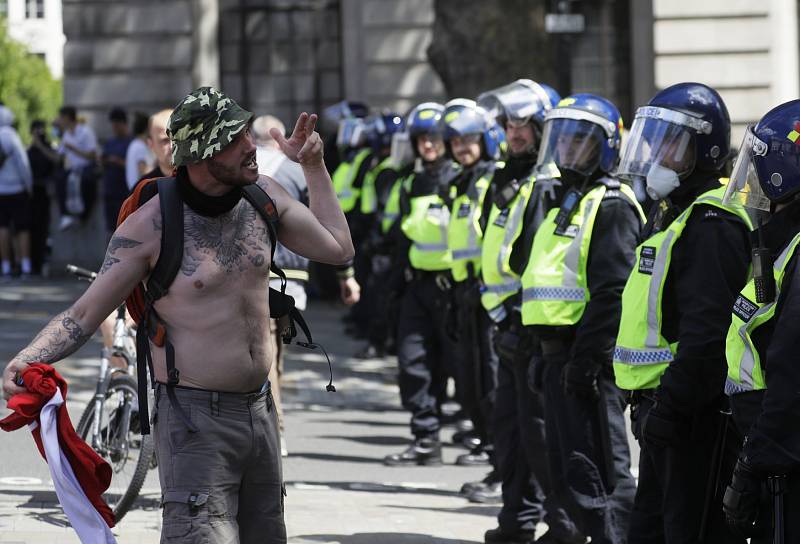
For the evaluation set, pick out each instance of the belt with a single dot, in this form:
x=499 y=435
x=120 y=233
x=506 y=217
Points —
x=638 y=395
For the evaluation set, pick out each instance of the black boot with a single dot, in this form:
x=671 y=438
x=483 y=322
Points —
x=423 y=451
x=489 y=494
x=476 y=457
x=469 y=487
x=498 y=536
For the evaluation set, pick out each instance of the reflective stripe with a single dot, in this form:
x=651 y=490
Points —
x=300 y=275
x=510 y=234
x=732 y=388
x=459 y=254
x=345 y=194
x=573 y=253
x=430 y=247
x=642 y=356
x=502 y=288
x=653 y=293
x=553 y=293
x=748 y=361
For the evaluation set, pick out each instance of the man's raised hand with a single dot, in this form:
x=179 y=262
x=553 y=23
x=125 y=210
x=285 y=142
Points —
x=304 y=145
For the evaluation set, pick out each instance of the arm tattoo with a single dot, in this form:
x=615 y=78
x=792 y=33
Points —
x=62 y=337
x=117 y=242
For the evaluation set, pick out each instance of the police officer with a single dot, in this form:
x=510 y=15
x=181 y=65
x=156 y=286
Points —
x=473 y=140
x=519 y=202
x=762 y=344
x=571 y=297
x=675 y=313
x=373 y=263
x=423 y=345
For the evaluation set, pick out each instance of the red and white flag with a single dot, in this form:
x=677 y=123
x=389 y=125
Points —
x=80 y=475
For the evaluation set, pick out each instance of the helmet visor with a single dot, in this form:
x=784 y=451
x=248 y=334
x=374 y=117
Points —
x=517 y=101
x=460 y=122
x=401 y=153
x=573 y=144
x=744 y=187
x=660 y=138
x=351 y=133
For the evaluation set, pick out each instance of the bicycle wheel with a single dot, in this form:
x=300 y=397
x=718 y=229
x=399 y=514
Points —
x=126 y=450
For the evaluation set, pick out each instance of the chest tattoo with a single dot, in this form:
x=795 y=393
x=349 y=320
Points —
x=234 y=240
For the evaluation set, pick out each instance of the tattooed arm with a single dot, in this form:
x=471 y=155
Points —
x=130 y=253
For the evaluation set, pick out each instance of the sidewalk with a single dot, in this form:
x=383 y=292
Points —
x=338 y=489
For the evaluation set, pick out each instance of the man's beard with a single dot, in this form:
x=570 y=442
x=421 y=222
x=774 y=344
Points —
x=227 y=175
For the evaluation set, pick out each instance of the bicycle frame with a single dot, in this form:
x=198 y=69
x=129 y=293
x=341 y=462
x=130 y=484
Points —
x=123 y=347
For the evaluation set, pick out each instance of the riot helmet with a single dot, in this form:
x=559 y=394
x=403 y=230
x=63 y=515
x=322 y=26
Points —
x=465 y=120
x=767 y=168
x=424 y=121
x=352 y=133
x=380 y=128
x=581 y=136
x=683 y=129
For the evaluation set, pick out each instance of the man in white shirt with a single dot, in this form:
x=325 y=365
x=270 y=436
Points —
x=139 y=159
x=16 y=186
x=79 y=149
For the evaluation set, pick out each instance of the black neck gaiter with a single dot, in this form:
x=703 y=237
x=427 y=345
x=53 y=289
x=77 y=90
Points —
x=203 y=204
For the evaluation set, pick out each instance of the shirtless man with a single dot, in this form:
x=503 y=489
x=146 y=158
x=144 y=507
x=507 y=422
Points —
x=222 y=483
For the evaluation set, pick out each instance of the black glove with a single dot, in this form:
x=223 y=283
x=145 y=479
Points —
x=742 y=501
x=580 y=380
x=663 y=427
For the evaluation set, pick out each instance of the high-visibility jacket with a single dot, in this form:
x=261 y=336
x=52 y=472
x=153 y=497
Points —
x=465 y=234
x=642 y=354
x=369 y=194
x=391 y=210
x=503 y=228
x=343 y=178
x=425 y=224
x=745 y=372
x=554 y=283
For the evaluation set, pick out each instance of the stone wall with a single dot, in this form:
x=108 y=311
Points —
x=746 y=50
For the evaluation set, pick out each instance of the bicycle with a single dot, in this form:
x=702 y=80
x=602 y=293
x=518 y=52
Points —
x=109 y=423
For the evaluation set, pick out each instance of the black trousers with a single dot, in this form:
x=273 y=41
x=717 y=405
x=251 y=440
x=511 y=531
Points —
x=424 y=353
x=580 y=458
x=40 y=228
x=476 y=378
x=746 y=408
x=673 y=484
x=521 y=453
x=380 y=318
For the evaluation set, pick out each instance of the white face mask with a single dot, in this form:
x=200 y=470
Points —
x=661 y=182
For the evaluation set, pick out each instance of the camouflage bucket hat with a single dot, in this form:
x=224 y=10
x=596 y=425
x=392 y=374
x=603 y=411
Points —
x=203 y=124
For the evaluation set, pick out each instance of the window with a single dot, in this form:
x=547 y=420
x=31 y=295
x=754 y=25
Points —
x=3 y=8
x=34 y=9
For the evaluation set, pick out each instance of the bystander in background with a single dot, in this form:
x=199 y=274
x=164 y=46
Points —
x=16 y=186
x=139 y=159
x=45 y=167
x=159 y=144
x=273 y=163
x=115 y=187
x=77 y=188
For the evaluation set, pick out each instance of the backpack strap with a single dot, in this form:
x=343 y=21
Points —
x=152 y=328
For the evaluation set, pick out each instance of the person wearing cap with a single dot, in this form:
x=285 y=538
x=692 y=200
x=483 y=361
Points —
x=222 y=481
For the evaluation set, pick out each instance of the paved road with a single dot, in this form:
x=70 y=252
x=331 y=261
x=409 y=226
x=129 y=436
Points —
x=338 y=490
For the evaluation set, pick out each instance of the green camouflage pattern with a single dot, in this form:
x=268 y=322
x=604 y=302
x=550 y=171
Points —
x=203 y=124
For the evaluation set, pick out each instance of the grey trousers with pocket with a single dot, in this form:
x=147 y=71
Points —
x=224 y=483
